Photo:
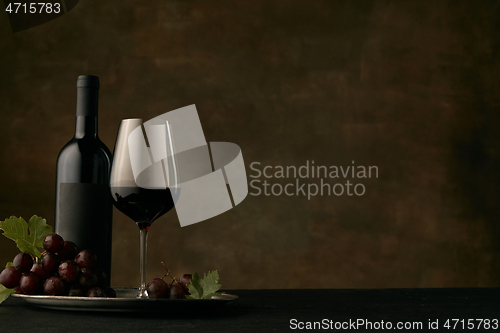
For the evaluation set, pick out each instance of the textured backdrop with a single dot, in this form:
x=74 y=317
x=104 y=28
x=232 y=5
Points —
x=409 y=86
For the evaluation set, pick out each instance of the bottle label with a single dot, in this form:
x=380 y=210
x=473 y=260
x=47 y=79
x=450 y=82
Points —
x=85 y=217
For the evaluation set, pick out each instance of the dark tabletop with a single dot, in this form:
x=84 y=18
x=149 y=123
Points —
x=282 y=310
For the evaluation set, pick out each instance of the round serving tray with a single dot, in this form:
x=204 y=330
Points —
x=125 y=301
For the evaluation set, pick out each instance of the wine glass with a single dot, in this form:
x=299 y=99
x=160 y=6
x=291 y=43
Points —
x=144 y=178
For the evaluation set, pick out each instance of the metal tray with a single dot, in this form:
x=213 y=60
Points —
x=126 y=301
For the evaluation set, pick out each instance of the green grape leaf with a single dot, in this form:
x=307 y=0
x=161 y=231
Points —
x=10 y=263
x=27 y=235
x=5 y=293
x=210 y=284
x=204 y=288
x=195 y=288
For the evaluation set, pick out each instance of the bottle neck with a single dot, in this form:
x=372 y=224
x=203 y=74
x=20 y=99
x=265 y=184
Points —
x=86 y=127
x=87 y=101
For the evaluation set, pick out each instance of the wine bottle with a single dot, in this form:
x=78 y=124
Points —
x=83 y=202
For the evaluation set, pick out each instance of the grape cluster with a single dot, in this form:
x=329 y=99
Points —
x=177 y=289
x=62 y=271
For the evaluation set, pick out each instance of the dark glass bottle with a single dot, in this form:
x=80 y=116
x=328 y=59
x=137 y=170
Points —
x=83 y=205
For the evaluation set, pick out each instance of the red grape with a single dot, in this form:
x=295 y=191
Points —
x=177 y=292
x=110 y=292
x=96 y=292
x=184 y=281
x=38 y=269
x=69 y=270
x=157 y=288
x=54 y=286
x=68 y=252
x=86 y=259
x=87 y=278
x=102 y=279
x=30 y=283
x=86 y=272
x=50 y=262
x=77 y=290
x=53 y=243
x=10 y=277
x=23 y=262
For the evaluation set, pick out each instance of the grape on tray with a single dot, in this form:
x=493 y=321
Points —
x=157 y=288
x=77 y=290
x=53 y=243
x=61 y=271
x=86 y=259
x=54 y=285
x=184 y=280
x=69 y=270
x=10 y=277
x=101 y=276
x=87 y=278
x=110 y=292
x=96 y=292
x=50 y=262
x=38 y=269
x=177 y=291
x=30 y=283
x=68 y=251
x=23 y=262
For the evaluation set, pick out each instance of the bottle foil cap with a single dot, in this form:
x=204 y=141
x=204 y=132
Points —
x=90 y=81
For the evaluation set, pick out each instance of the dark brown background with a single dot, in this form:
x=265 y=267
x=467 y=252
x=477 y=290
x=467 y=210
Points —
x=409 y=86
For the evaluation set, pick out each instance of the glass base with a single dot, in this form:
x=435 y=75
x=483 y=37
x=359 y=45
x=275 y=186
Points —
x=143 y=293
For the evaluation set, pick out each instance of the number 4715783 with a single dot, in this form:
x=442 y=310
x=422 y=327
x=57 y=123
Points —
x=33 y=8
x=471 y=324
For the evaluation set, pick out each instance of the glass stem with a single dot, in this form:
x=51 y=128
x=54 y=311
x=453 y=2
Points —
x=144 y=249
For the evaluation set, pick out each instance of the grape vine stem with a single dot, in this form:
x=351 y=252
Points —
x=174 y=279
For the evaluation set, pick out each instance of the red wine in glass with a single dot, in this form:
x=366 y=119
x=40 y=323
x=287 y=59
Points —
x=142 y=205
